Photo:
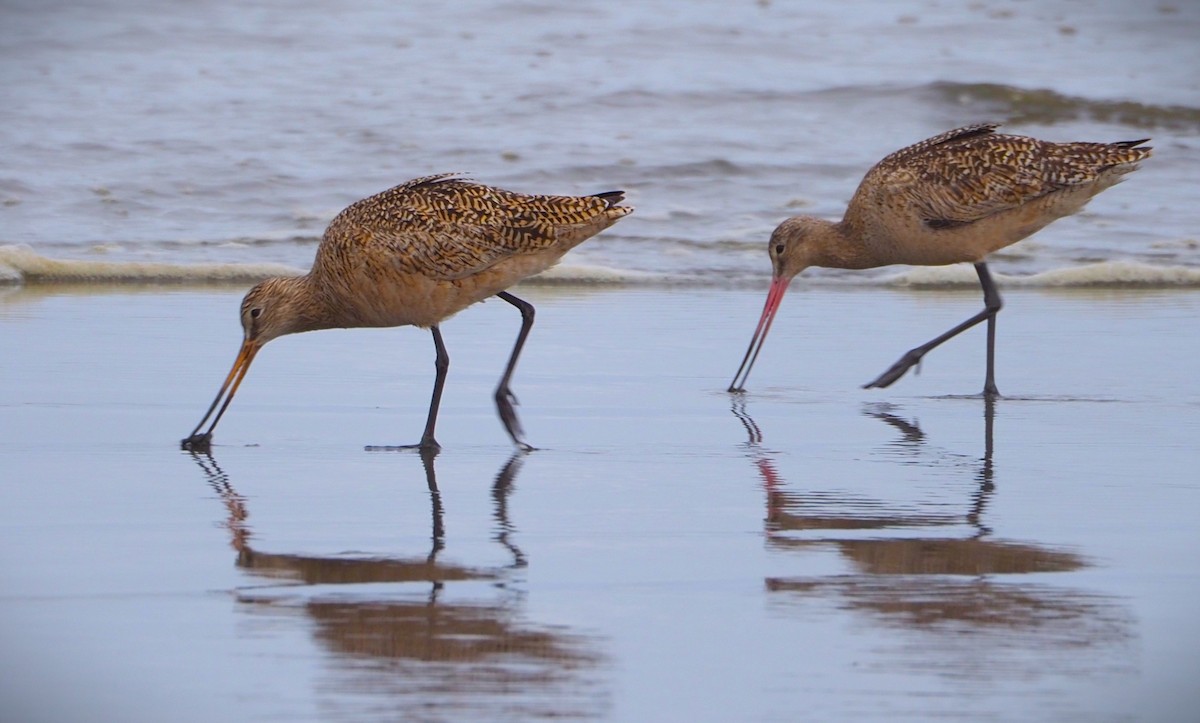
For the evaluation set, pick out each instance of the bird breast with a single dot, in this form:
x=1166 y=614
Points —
x=367 y=298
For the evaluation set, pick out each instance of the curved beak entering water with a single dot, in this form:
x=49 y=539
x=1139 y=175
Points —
x=779 y=285
x=200 y=442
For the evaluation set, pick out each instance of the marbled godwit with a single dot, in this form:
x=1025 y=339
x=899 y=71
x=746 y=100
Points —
x=953 y=198
x=415 y=255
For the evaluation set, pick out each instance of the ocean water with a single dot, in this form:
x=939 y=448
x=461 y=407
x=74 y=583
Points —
x=213 y=141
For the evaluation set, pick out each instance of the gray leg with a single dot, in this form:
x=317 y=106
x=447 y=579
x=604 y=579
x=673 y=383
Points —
x=441 y=365
x=991 y=306
x=504 y=396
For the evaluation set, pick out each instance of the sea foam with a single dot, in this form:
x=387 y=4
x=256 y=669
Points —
x=22 y=265
x=592 y=274
x=1101 y=274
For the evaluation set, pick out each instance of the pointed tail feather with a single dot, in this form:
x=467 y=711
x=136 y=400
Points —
x=612 y=198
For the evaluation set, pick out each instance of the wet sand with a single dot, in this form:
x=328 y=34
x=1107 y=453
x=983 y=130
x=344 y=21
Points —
x=806 y=551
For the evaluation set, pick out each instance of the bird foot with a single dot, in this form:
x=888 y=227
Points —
x=908 y=361
x=197 y=443
x=505 y=406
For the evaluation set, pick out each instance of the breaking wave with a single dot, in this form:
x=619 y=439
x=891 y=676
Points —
x=22 y=266
x=1112 y=274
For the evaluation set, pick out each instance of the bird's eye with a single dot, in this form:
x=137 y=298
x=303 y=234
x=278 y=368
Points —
x=778 y=248
x=255 y=312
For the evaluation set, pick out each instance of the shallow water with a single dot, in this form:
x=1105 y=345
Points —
x=809 y=550
x=189 y=132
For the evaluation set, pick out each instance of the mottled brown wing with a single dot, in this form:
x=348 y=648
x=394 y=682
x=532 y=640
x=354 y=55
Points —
x=955 y=178
x=972 y=173
x=900 y=157
x=449 y=228
x=984 y=176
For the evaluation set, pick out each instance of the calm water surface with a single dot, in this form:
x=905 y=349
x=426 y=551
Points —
x=808 y=551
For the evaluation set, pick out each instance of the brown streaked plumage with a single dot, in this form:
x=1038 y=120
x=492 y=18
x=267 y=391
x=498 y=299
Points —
x=953 y=198
x=415 y=255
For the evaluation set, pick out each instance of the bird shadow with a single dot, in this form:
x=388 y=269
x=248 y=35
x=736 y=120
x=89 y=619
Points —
x=381 y=613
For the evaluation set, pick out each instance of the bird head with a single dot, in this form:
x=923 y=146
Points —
x=794 y=246
x=268 y=310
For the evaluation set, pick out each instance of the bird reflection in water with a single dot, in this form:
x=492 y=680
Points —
x=913 y=439
x=912 y=566
x=408 y=650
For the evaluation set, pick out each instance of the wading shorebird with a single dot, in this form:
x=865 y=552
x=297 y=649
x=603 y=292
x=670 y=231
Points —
x=953 y=198
x=415 y=255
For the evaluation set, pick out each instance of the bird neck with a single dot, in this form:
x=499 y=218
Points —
x=839 y=245
x=302 y=302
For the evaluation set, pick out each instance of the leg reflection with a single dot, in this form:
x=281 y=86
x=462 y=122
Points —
x=501 y=489
x=337 y=569
x=912 y=436
x=986 y=469
x=791 y=511
x=438 y=536
x=913 y=440
x=443 y=639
